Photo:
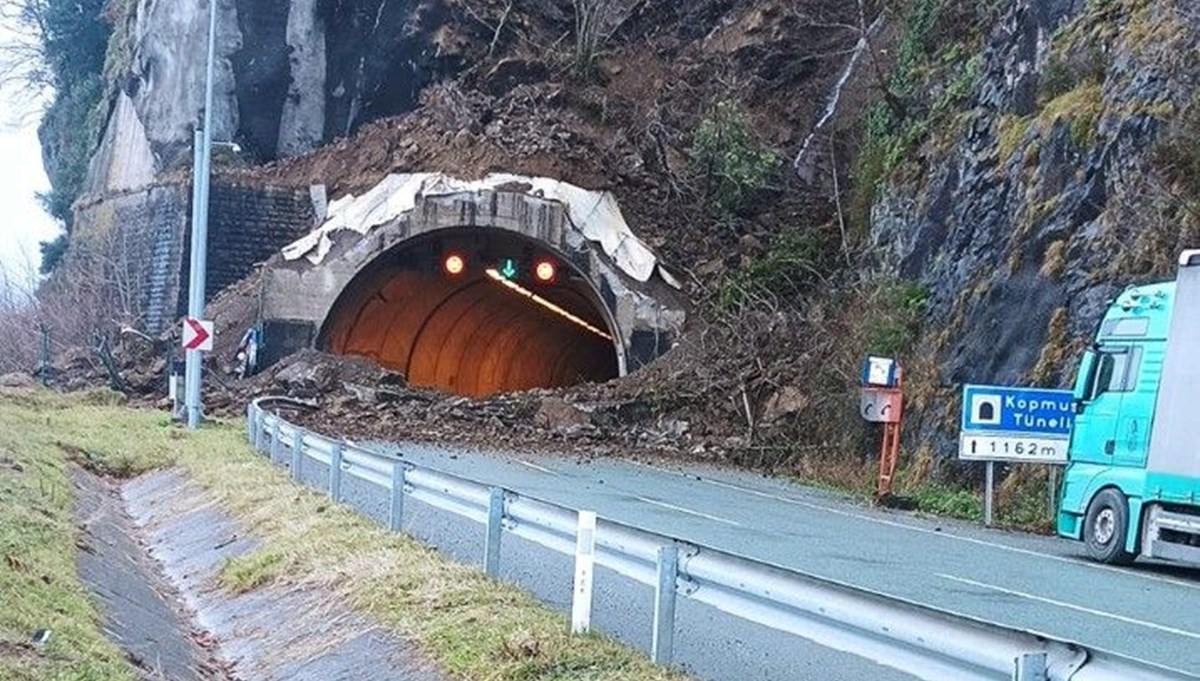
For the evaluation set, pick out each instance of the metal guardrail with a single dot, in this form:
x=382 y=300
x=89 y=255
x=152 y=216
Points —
x=918 y=640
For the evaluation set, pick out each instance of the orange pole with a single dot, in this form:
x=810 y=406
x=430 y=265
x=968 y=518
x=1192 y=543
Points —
x=889 y=454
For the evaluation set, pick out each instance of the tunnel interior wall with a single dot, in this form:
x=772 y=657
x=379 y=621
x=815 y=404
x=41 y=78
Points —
x=471 y=334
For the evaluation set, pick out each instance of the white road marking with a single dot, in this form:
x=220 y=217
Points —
x=924 y=530
x=698 y=514
x=1072 y=606
x=536 y=467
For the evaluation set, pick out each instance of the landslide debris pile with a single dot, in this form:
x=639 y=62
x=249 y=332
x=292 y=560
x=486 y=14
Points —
x=626 y=122
x=671 y=408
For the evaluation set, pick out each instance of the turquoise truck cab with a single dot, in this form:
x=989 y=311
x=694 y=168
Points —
x=1132 y=484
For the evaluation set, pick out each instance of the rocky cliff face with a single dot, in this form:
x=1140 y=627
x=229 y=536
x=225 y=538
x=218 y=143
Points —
x=1053 y=189
x=290 y=75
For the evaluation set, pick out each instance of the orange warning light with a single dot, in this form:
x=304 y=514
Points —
x=545 y=272
x=454 y=264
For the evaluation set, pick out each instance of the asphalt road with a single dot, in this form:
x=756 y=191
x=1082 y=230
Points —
x=1040 y=584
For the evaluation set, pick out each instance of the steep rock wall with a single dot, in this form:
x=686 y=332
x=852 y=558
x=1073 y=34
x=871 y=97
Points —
x=1046 y=200
x=290 y=74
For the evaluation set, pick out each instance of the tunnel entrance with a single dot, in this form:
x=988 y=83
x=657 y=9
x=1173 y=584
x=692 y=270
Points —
x=476 y=312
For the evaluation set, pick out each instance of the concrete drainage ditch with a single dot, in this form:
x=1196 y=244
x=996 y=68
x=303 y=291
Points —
x=151 y=552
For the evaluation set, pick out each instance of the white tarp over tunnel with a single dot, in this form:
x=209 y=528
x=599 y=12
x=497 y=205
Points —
x=594 y=214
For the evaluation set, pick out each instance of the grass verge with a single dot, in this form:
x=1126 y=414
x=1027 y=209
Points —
x=1021 y=501
x=471 y=626
x=38 y=582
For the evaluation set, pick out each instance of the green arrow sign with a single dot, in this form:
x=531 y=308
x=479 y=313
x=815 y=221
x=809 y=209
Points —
x=508 y=269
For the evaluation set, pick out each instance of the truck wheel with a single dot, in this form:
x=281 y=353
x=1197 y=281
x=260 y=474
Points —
x=1105 y=528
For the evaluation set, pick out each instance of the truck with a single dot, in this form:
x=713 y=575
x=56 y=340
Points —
x=1132 y=483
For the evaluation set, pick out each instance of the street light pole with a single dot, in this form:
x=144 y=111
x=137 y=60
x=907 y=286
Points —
x=201 y=175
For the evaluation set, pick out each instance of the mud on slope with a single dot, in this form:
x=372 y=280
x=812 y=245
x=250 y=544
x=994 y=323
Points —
x=625 y=126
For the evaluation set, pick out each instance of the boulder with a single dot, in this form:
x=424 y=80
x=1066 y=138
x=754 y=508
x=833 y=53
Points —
x=556 y=414
x=785 y=402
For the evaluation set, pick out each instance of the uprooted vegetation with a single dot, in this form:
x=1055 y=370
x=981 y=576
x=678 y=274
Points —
x=83 y=326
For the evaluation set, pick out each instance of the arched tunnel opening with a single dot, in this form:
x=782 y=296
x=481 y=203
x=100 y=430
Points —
x=476 y=312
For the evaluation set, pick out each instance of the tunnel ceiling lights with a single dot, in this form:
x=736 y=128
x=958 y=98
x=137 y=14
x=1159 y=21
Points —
x=454 y=264
x=545 y=271
x=496 y=276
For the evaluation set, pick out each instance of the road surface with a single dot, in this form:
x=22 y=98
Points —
x=1040 y=584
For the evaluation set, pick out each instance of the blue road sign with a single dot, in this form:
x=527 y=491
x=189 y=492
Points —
x=1018 y=411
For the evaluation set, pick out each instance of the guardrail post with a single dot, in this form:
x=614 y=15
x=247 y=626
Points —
x=297 y=453
x=585 y=561
x=249 y=420
x=260 y=427
x=491 y=549
x=276 y=443
x=989 y=493
x=663 y=644
x=396 y=515
x=1031 y=667
x=335 y=473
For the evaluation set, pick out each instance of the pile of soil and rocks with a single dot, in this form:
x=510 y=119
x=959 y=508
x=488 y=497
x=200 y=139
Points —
x=743 y=393
x=132 y=363
x=625 y=125
x=716 y=396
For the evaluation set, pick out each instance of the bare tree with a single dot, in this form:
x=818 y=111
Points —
x=595 y=22
x=19 y=312
x=99 y=286
x=24 y=68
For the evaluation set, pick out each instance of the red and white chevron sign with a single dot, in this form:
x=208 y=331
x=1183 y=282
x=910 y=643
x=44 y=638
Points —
x=197 y=335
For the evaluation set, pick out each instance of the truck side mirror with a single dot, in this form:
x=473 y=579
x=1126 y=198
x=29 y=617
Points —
x=1085 y=380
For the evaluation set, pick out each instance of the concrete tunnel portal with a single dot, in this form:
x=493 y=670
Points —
x=466 y=311
x=373 y=280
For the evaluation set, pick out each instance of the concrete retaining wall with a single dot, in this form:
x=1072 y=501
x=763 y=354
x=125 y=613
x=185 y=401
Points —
x=149 y=231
